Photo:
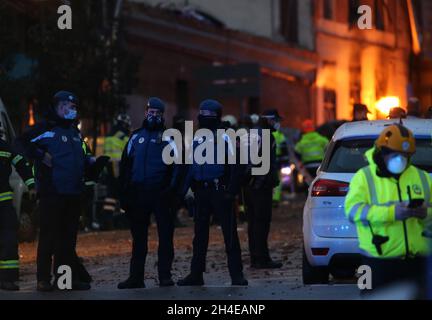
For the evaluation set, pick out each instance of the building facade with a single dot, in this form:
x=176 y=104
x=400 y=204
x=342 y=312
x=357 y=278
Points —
x=313 y=59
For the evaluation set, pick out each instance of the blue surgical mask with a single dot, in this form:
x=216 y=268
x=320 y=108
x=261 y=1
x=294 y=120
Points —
x=71 y=114
x=397 y=164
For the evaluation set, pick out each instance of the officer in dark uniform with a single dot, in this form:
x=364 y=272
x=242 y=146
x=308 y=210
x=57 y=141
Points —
x=9 y=259
x=258 y=199
x=215 y=187
x=148 y=185
x=56 y=148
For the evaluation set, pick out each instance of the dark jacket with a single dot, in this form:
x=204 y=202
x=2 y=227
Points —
x=142 y=165
x=9 y=158
x=63 y=142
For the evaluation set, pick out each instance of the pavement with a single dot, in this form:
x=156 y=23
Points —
x=107 y=254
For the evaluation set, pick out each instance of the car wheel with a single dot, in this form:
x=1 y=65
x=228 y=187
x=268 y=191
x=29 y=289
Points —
x=314 y=275
x=343 y=273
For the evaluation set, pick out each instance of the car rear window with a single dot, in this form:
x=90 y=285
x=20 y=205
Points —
x=348 y=156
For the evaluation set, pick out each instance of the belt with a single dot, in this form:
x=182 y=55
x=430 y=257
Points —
x=210 y=184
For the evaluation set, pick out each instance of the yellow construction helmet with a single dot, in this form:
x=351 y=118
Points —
x=397 y=138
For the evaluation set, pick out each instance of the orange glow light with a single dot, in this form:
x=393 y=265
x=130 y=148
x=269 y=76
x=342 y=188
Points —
x=384 y=105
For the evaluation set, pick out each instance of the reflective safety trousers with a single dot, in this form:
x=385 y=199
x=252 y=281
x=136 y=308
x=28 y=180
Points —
x=371 y=203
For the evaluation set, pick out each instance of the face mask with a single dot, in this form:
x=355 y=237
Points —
x=71 y=114
x=397 y=164
x=211 y=123
x=154 y=122
x=277 y=126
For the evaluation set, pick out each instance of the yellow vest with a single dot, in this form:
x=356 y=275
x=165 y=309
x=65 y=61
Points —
x=311 y=147
x=280 y=140
x=371 y=202
x=114 y=145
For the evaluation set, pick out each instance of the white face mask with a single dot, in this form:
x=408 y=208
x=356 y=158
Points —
x=397 y=164
x=277 y=126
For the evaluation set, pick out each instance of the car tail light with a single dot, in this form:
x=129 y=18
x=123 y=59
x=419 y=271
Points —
x=329 y=188
x=320 y=251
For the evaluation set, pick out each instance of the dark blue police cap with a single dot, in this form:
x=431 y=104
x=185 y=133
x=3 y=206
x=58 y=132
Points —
x=156 y=103
x=65 y=96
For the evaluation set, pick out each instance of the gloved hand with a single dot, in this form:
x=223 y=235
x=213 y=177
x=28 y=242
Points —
x=402 y=212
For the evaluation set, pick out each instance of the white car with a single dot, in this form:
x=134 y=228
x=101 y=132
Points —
x=330 y=240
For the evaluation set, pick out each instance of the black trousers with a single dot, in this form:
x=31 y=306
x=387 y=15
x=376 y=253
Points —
x=259 y=215
x=139 y=213
x=9 y=264
x=59 y=222
x=388 y=271
x=210 y=200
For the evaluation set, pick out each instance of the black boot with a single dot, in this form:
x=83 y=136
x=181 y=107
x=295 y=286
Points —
x=270 y=264
x=80 y=286
x=166 y=282
x=239 y=280
x=44 y=286
x=191 y=280
x=131 y=283
x=9 y=286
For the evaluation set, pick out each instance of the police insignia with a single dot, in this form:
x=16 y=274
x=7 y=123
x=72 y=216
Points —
x=64 y=138
x=141 y=140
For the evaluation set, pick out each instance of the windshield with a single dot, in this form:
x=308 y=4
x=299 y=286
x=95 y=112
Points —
x=348 y=156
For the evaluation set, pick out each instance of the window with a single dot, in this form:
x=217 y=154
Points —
x=379 y=14
x=182 y=97
x=348 y=156
x=328 y=9
x=289 y=20
x=329 y=105
x=353 y=12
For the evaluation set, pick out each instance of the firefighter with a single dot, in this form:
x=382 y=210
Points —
x=114 y=145
x=9 y=259
x=361 y=112
x=258 y=196
x=148 y=185
x=215 y=187
x=390 y=202
x=311 y=147
x=56 y=147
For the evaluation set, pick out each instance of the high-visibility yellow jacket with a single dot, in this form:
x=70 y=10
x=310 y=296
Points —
x=371 y=202
x=311 y=147
x=115 y=144
x=280 y=140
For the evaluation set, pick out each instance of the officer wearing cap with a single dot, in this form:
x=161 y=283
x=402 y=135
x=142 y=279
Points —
x=390 y=203
x=360 y=112
x=149 y=185
x=56 y=148
x=215 y=187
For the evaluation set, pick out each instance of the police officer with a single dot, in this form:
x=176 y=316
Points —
x=390 y=203
x=360 y=112
x=148 y=185
x=215 y=187
x=258 y=196
x=274 y=121
x=311 y=147
x=9 y=259
x=56 y=148
x=114 y=145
